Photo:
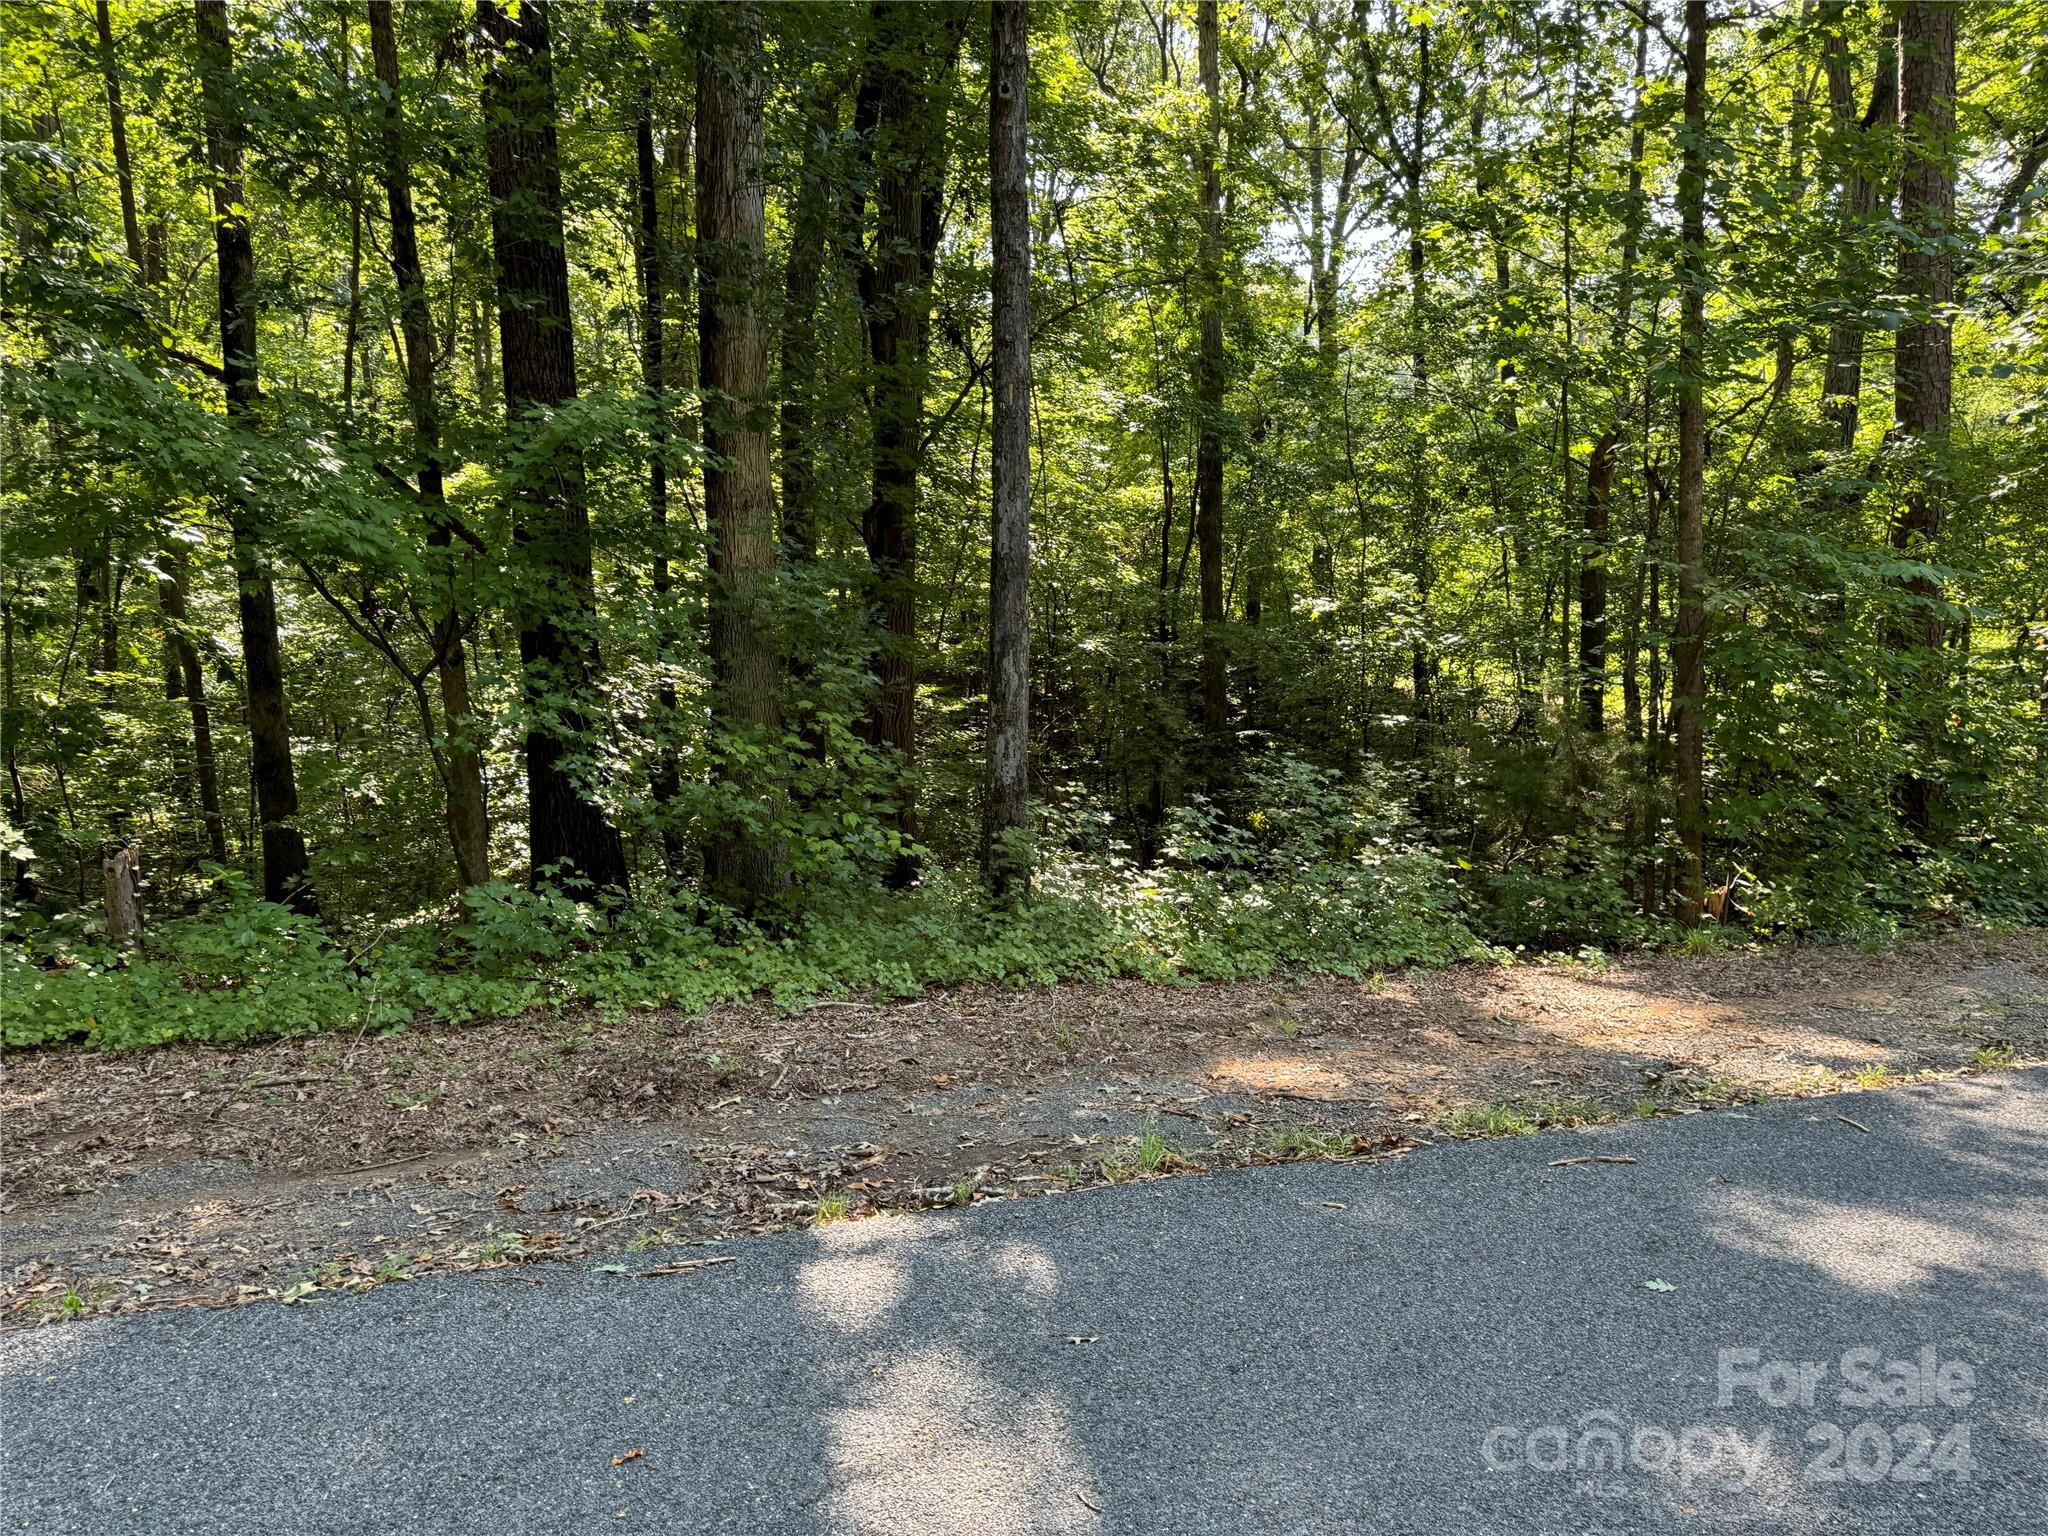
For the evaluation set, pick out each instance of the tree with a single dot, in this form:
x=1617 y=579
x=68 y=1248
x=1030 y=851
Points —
x=1923 y=366
x=1688 y=651
x=902 y=114
x=457 y=757
x=747 y=862
x=1005 y=850
x=285 y=865
x=183 y=677
x=568 y=834
x=1209 y=386
x=1860 y=190
x=652 y=257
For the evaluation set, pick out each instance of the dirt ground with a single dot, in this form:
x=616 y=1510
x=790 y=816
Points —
x=203 y=1176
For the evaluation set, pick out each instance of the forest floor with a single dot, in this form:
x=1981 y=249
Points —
x=201 y=1176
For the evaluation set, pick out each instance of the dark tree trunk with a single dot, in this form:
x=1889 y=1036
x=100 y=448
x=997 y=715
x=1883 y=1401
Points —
x=183 y=677
x=1922 y=368
x=117 y=123
x=1209 y=390
x=459 y=760
x=803 y=276
x=21 y=882
x=903 y=102
x=1006 y=853
x=1598 y=530
x=1688 y=651
x=652 y=252
x=276 y=789
x=810 y=238
x=1862 y=188
x=568 y=834
x=1593 y=583
x=747 y=861
x=190 y=685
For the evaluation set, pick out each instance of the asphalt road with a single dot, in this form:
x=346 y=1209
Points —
x=1771 y=1321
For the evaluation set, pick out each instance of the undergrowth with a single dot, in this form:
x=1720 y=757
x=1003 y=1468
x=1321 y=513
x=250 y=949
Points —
x=1308 y=874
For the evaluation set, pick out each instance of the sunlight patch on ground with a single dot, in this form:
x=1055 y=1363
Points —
x=1279 y=1074
x=1866 y=1247
x=935 y=1447
x=931 y=1441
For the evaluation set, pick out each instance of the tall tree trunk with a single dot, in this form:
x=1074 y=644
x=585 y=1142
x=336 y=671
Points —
x=1922 y=368
x=1006 y=853
x=803 y=275
x=117 y=123
x=352 y=322
x=810 y=238
x=1598 y=532
x=747 y=860
x=652 y=252
x=567 y=832
x=461 y=764
x=1209 y=388
x=1688 y=651
x=1595 y=538
x=183 y=677
x=21 y=878
x=1862 y=188
x=1409 y=161
x=285 y=877
x=191 y=687
x=904 y=103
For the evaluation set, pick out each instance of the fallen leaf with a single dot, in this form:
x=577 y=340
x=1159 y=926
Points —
x=1659 y=1285
x=1081 y=1338
x=620 y=1461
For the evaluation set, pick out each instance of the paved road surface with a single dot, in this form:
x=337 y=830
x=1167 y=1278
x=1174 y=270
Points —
x=1454 y=1343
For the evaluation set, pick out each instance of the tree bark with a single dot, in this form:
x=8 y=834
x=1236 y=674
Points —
x=1597 y=533
x=803 y=275
x=460 y=760
x=285 y=876
x=1209 y=389
x=1689 y=684
x=1006 y=853
x=183 y=677
x=117 y=123
x=747 y=861
x=903 y=104
x=191 y=686
x=1861 y=192
x=1593 y=557
x=652 y=253
x=568 y=834
x=1922 y=369
x=810 y=240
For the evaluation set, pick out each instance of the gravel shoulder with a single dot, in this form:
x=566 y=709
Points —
x=198 y=1177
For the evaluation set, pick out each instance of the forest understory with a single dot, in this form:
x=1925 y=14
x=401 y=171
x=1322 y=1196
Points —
x=304 y=1169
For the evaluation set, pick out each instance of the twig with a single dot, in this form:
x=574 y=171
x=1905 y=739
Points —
x=1573 y=1162
x=389 y=1163
x=682 y=1268
x=1857 y=1123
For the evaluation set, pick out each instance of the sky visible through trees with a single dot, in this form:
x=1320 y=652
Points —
x=513 y=502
